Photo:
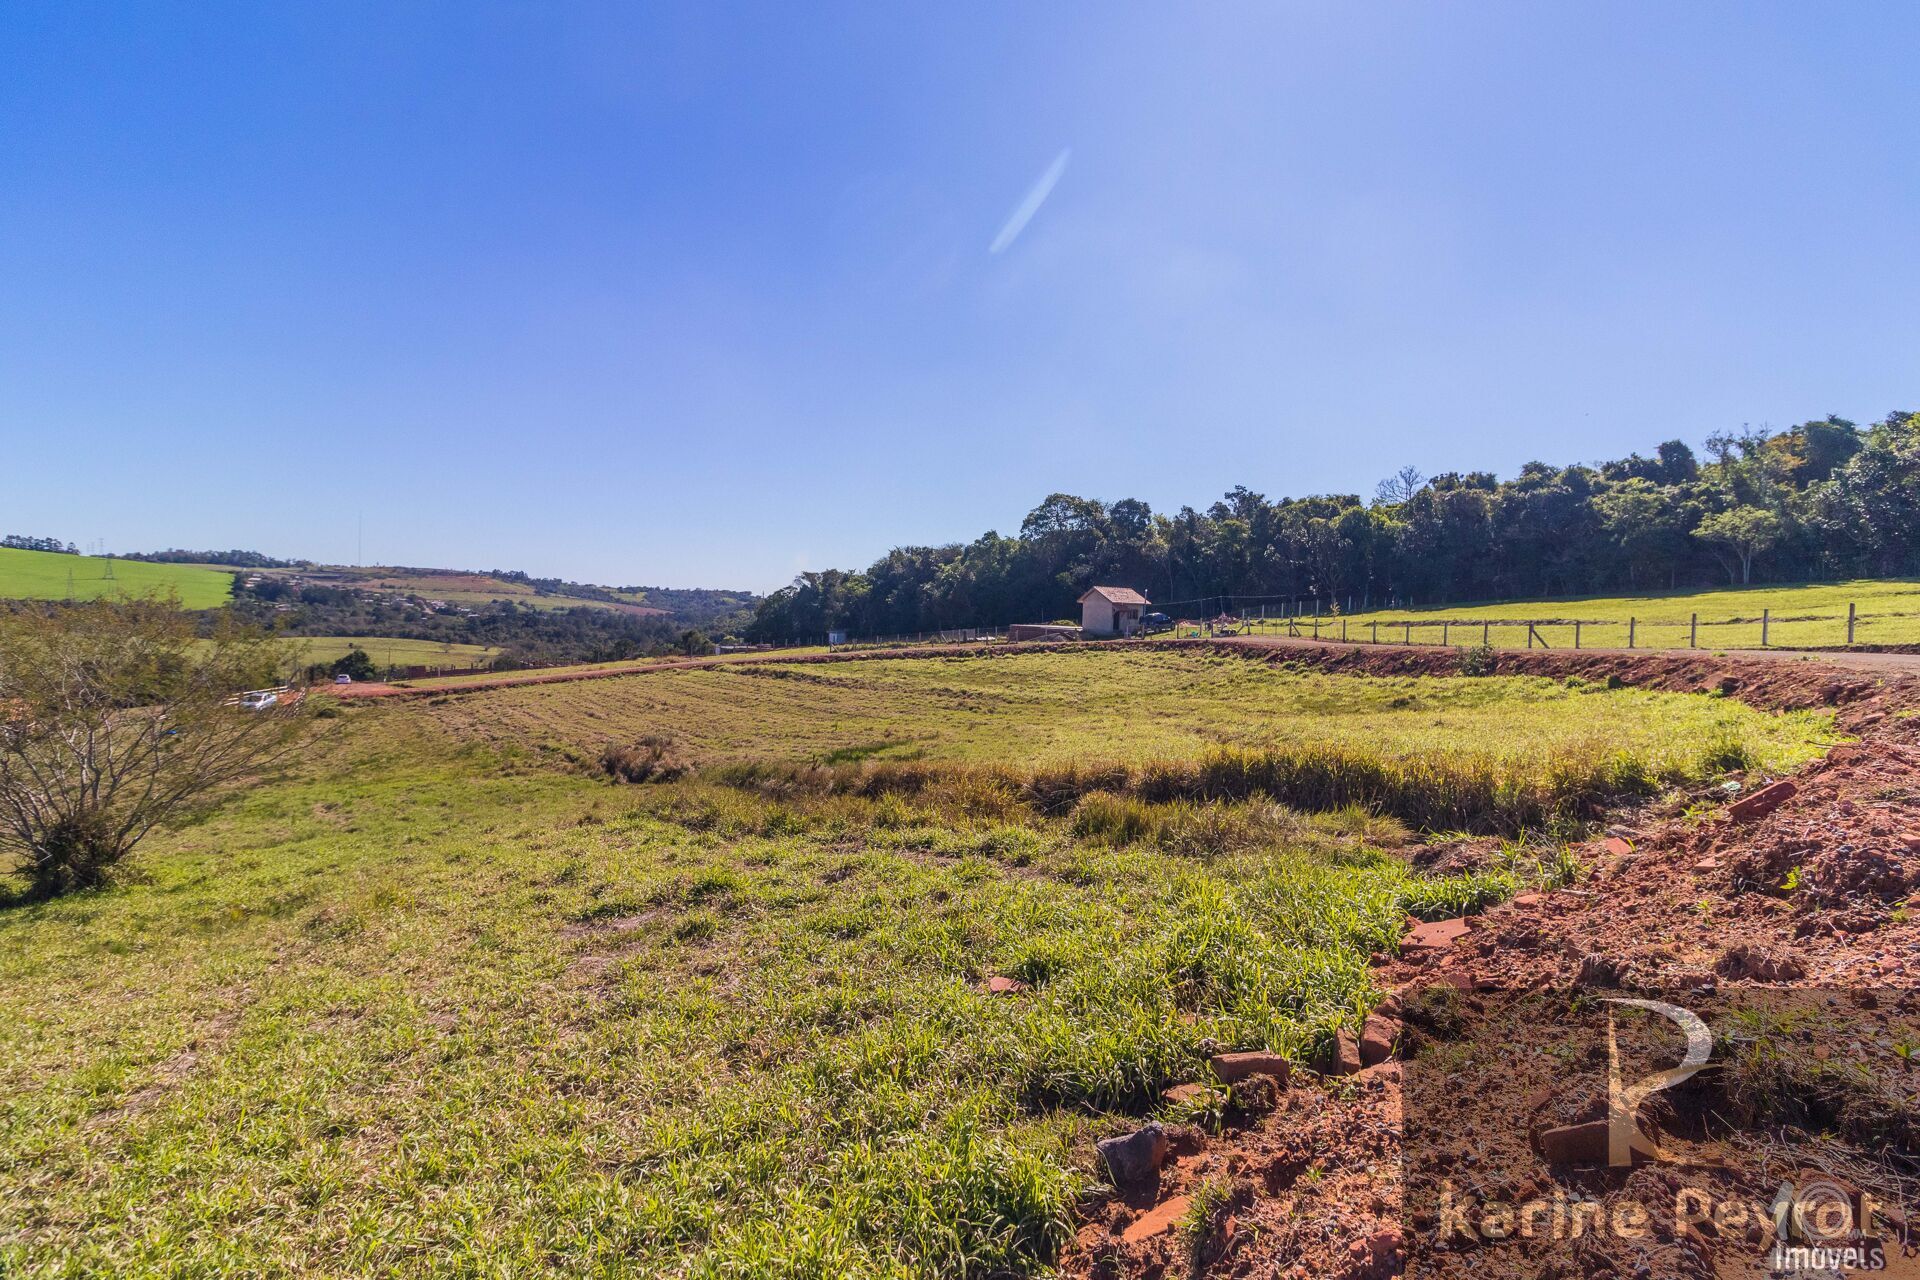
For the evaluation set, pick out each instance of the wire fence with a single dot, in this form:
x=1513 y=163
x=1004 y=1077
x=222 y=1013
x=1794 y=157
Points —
x=1838 y=630
x=1765 y=629
x=955 y=635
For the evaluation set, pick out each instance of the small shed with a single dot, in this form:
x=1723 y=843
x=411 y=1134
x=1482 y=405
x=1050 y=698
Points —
x=1111 y=611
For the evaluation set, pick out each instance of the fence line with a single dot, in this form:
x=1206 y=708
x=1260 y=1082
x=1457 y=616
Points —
x=952 y=635
x=1694 y=632
x=1819 y=630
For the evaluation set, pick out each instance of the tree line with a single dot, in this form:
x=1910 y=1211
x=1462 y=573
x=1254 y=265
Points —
x=1823 y=499
x=525 y=634
x=26 y=542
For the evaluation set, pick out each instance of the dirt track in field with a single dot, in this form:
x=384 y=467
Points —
x=1327 y=654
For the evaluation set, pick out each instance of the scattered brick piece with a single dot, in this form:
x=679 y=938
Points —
x=1435 y=935
x=1344 y=1054
x=1763 y=802
x=1573 y=1146
x=1618 y=846
x=1377 y=1040
x=999 y=986
x=1159 y=1220
x=1234 y=1067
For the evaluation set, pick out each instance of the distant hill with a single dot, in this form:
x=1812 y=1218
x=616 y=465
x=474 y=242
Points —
x=50 y=575
x=502 y=616
x=237 y=558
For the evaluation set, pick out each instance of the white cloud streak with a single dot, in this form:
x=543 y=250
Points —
x=1030 y=204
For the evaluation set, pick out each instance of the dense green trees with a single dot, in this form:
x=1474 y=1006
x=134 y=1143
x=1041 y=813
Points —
x=1822 y=499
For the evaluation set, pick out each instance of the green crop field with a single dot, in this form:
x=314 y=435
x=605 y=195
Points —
x=387 y=652
x=1813 y=616
x=50 y=575
x=447 y=1001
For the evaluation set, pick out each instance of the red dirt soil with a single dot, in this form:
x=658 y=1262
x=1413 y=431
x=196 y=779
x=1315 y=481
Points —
x=1807 y=884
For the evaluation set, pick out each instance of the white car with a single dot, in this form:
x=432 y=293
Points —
x=259 y=701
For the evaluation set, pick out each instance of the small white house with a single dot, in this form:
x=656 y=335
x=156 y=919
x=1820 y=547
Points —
x=1111 y=611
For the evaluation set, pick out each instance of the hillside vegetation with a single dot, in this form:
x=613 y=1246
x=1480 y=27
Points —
x=48 y=575
x=1822 y=500
x=503 y=1016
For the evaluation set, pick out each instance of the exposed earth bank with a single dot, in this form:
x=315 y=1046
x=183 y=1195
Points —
x=1797 y=884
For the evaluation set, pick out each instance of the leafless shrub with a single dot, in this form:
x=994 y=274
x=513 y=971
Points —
x=115 y=717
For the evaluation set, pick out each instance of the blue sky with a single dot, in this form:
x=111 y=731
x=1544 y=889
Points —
x=701 y=294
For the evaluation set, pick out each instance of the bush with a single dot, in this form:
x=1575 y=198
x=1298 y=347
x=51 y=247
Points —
x=356 y=664
x=651 y=759
x=116 y=717
x=1477 y=661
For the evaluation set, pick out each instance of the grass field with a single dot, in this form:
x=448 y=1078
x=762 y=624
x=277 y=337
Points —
x=472 y=589
x=445 y=1003
x=1127 y=705
x=1813 y=615
x=49 y=575
x=388 y=652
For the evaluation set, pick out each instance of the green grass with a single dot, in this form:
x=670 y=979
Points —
x=455 y=683
x=1813 y=615
x=452 y=586
x=49 y=575
x=387 y=652
x=435 y=1006
x=1109 y=705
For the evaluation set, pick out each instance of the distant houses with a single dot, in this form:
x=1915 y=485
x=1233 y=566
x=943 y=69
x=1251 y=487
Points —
x=1106 y=612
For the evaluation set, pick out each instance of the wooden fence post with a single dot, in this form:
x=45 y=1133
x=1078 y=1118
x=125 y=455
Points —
x=1576 y=633
x=1486 y=634
x=1444 y=628
x=1850 y=617
x=1633 y=625
x=1529 y=635
x=1407 y=636
x=1343 y=631
x=1693 y=632
x=1376 y=633
x=1766 y=620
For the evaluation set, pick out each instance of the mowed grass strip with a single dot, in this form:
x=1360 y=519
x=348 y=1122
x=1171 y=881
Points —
x=1811 y=615
x=51 y=575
